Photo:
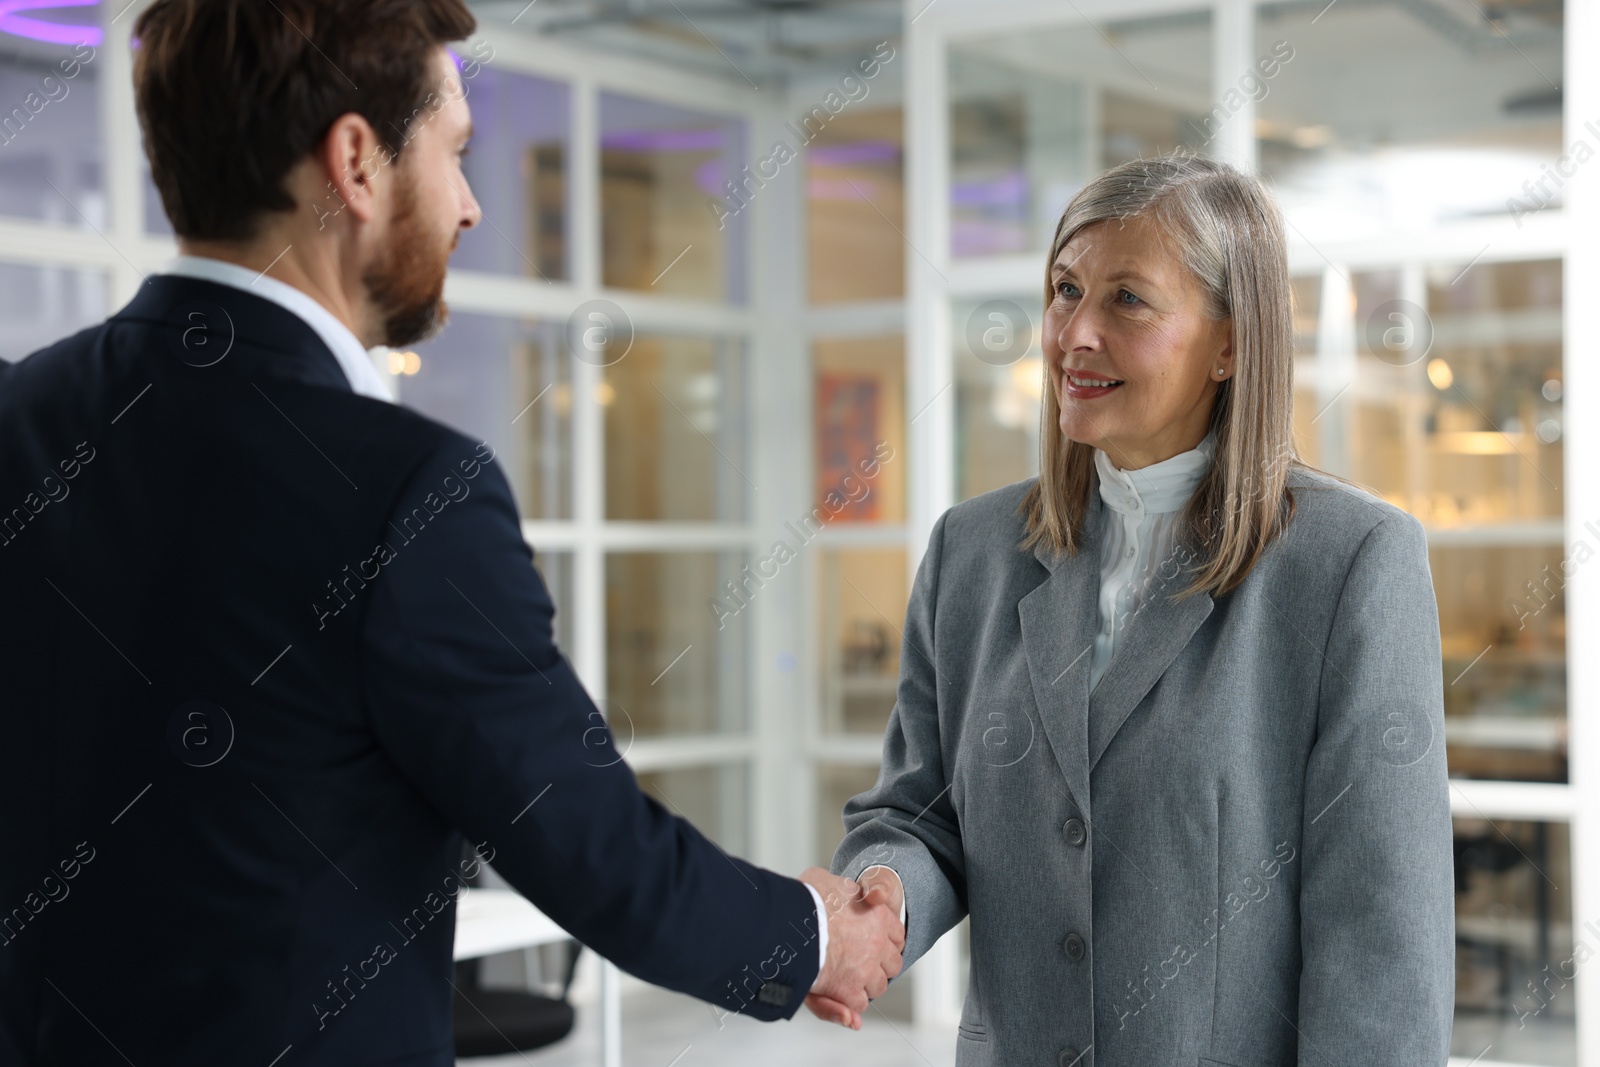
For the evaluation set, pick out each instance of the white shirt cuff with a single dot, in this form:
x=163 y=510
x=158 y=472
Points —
x=822 y=931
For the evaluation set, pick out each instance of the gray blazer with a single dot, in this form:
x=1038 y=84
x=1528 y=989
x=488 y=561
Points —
x=1235 y=853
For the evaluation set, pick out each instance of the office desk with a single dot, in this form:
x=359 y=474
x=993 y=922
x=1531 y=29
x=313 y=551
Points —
x=499 y=920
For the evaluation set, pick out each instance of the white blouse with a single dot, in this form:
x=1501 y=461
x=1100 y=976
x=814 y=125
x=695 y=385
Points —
x=1137 y=536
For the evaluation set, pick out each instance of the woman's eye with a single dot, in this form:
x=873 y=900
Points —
x=1125 y=297
x=1062 y=289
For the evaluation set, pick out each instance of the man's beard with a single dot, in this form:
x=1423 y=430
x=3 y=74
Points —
x=406 y=282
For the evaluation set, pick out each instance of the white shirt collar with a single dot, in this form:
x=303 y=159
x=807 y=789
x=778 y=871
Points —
x=1158 y=488
x=354 y=359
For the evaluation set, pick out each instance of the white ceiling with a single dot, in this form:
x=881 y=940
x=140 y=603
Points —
x=767 y=42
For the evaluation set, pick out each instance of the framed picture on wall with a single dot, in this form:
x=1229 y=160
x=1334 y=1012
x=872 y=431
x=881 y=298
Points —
x=848 y=414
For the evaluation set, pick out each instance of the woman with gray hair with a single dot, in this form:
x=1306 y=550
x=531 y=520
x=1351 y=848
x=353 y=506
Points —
x=1169 y=725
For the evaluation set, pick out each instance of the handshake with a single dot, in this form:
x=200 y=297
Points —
x=865 y=939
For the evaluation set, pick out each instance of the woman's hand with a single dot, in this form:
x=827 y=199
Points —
x=881 y=885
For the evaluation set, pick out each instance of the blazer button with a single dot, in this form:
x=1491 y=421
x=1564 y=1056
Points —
x=1071 y=1057
x=1076 y=834
x=1074 y=947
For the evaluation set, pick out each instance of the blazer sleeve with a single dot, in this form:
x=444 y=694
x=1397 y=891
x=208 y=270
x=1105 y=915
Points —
x=1377 y=896
x=906 y=821
x=473 y=701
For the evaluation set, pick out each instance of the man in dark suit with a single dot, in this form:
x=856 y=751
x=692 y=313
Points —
x=272 y=644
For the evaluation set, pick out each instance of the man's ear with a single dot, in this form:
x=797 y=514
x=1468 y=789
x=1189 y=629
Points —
x=354 y=162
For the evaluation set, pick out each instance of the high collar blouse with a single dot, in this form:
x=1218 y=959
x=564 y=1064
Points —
x=1138 y=535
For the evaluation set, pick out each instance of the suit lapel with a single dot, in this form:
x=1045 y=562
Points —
x=1152 y=640
x=1058 y=628
x=1058 y=619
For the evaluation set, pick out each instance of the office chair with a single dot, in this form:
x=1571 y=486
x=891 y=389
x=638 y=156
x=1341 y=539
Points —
x=1491 y=853
x=493 y=1022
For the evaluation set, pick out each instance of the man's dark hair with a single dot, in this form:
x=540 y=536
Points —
x=231 y=94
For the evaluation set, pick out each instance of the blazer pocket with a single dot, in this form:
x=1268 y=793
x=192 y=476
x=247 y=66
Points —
x=972 y=1032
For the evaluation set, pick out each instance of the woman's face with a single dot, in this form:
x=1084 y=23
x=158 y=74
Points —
x=1125 y=310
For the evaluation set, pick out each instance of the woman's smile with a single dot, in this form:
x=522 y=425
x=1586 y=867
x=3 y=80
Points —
x=1082 y=385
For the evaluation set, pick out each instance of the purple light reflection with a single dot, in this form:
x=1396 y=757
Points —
x=663 y=140
x=42 y=30
x=986 y=237
x=840 y=155
x=1008 y=189
x=841 y=189
x=708 y=177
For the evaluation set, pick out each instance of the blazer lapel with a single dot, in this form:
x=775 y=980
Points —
x=1058 y=620
x=1059 y=617
x=1153 y=638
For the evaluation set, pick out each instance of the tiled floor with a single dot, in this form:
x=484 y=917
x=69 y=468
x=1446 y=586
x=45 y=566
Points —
x=1548 y=1042
x=662 y=1029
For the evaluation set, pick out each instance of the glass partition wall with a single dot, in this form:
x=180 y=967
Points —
x=1425 y=157
x=856 y=577
x=732 y=402
x=598 y=343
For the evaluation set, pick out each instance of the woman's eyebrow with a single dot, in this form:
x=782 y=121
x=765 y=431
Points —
x=1061 y=268
x=1125 y=274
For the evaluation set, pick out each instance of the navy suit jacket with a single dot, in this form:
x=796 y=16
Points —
x=269 y=649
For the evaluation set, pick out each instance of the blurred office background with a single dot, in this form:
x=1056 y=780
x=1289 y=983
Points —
x=756 y=272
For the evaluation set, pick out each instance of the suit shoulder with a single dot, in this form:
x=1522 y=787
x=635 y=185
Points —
x=83 y=338
x=1342 y=512
x=53 y=366
x=438 y=450
x=989 y=518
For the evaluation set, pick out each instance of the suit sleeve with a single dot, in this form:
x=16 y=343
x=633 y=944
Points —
x=471 y=698
x=1377 y=896
x=905 y=821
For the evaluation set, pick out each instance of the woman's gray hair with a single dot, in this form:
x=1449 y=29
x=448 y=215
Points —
x=1228 y=232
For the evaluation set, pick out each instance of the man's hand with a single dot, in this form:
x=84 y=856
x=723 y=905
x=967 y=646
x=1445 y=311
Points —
x=865 y=940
